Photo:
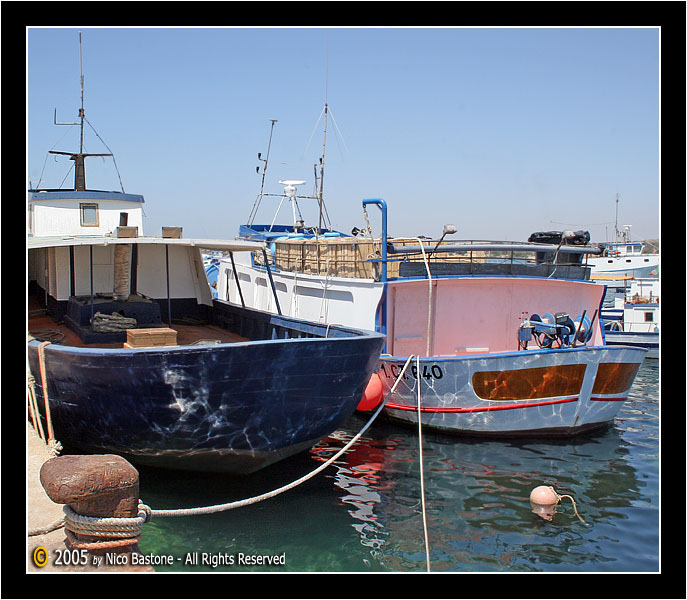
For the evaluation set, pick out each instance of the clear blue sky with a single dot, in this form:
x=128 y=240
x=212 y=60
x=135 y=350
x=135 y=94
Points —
x=500 y=131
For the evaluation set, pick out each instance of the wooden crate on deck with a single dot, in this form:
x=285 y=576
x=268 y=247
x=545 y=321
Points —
x=336 y=258
x=153 y=336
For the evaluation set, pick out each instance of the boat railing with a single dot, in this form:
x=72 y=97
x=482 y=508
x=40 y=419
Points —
x=362 y=258
x=260 y=325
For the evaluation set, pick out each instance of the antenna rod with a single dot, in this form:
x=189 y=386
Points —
x=79 y=157
x=267 y=158
x=324 y=144
x=324 y=140
x=264 y=171
x=81 y=111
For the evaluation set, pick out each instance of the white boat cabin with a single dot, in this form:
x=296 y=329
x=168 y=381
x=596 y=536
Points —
x=97 y=213
x=86 y=253
x=641 y=306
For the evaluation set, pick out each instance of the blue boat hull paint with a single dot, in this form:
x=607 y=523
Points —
x=229 y=407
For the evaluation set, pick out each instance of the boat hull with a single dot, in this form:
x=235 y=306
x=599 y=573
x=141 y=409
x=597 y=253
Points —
x=227 y=407
x=641 y=339
x=544 y=393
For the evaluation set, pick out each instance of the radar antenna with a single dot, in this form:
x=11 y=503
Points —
x=290 y=193
x=78 y=157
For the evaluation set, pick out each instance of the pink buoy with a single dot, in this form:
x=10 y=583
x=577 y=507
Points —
x=543 y=500
x=372 y=395
x=544 y=494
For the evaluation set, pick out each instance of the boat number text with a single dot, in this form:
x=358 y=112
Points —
x=428 y=371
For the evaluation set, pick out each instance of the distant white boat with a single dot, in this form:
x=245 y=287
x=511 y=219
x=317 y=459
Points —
x=623 y=257
x=640 y=316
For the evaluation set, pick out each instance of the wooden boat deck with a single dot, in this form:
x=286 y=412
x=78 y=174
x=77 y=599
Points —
x=38 y=321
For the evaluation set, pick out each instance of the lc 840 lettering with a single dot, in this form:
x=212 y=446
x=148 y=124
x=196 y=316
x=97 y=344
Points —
x=428 y=371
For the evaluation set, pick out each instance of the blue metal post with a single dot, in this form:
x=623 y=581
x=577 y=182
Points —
x=382 y=206
x=381 y=324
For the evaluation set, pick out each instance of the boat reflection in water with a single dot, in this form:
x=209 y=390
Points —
x=476 y=497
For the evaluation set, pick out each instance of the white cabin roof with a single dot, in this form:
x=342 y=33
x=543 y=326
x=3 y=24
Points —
x=209 y=244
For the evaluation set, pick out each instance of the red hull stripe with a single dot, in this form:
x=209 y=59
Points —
x=600 y=399
x=429 y=409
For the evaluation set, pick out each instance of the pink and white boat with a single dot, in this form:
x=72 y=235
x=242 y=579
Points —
x=507 y=345
x=479 y=378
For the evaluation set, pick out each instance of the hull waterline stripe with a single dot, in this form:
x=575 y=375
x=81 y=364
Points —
x=429 y=409
x=599 y=399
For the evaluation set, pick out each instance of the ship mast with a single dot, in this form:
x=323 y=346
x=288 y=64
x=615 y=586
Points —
x=320 y=196
x=265 y=160
x=78 y=157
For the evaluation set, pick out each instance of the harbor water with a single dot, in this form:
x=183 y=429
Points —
x=364 y=513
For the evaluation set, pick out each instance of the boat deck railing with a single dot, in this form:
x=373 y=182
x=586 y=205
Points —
x=259 y=325
x=362 y=257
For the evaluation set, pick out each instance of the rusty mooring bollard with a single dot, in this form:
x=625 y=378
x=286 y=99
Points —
x=101 y=485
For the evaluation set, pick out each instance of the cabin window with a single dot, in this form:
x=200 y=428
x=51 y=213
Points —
x=648 y=317
x=89 y=215
x=123 y=219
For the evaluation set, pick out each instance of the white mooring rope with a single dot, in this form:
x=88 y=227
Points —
x=422 y=472
x=111 y=527
x=204 y=510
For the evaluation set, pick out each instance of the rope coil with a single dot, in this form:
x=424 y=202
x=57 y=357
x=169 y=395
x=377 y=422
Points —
x=111 y=527
x=122 y=531
x=113 y=323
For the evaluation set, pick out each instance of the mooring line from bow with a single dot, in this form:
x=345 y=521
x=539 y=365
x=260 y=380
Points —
x=422 y=471
x=204 y=510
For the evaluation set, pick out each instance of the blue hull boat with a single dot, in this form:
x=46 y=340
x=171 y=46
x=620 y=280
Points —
x=229 y=407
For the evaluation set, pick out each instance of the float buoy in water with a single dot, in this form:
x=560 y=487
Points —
x=372 y=395
x=543 y=500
